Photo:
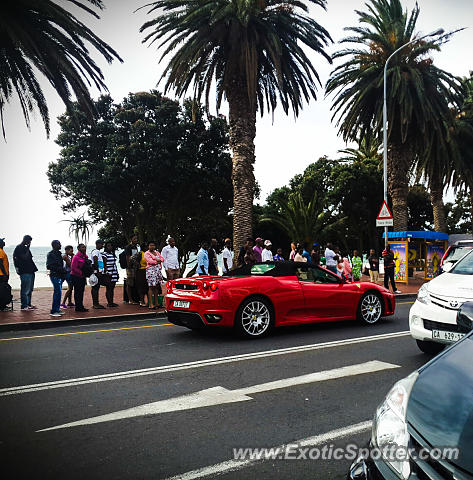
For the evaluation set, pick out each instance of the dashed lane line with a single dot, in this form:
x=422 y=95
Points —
x=196 y=364
x=235 y=464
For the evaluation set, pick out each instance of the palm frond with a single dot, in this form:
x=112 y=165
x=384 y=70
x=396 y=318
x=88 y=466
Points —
x=44 y=36
x=419 y=93
x=262 y=45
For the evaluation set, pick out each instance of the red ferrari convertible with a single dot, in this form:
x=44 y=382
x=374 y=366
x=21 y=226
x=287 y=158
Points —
x=255 y=298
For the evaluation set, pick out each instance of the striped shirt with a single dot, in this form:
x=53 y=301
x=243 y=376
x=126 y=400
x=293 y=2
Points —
x=111 y=265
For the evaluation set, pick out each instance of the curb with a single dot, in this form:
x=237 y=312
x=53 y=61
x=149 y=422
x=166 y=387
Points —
x=407 y=296
x=38 y=324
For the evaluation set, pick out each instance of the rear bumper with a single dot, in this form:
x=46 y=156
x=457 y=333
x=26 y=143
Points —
x=202 y=312
x=185 y=319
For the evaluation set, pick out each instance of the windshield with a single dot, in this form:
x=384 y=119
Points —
x=464 y=266
x=456 y=253
x=261 y=269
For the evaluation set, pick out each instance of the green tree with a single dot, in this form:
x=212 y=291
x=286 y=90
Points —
x=460 y=213
x=255 y=53
x=147 y=167
x=356 y=194
x=462 y=133
x=344 y=196
x=419 y=93
x=421 y=215
x=42 y=36
x=302 y=221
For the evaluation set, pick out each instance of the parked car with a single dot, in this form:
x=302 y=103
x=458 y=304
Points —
x=254 y=299
x=432 y=318
x=454 y=253
x=465 y=317
x=431 y=413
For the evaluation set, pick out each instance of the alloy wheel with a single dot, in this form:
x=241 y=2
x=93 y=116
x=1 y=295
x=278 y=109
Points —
x=255 y=318
x=370 y=308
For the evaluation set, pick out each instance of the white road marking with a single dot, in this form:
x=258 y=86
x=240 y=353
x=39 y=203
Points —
x=219 y=395
x=235 y=465
x=196 y=364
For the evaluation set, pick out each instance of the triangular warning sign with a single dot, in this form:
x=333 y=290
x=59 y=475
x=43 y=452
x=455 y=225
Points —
x=384 y=213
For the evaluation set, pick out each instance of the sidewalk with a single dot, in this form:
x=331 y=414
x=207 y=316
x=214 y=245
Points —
x=42 y=298
x=411 y=289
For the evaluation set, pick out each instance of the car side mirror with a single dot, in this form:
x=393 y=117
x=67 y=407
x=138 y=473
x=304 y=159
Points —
x=447 y=266
x=465 y=317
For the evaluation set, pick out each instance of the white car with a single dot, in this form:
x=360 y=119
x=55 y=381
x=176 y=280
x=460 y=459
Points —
x=432 y=318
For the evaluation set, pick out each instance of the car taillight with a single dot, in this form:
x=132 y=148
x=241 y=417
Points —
x=213 y=286
x=169 y=286
x=205 y=286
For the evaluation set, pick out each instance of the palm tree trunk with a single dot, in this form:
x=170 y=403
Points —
x=471 y=205
x=242 y=120
x=436 y=197
x=399 y=162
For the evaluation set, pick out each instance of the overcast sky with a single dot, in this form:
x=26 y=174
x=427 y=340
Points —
x=283 y=148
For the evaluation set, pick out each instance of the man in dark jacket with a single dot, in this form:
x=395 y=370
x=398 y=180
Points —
x=25 y=267
x=57 y=274
x=389 y=265
x=213 y=260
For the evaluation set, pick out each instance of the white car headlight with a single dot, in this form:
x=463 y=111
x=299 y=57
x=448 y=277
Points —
x=423 y=295
x=390 y=427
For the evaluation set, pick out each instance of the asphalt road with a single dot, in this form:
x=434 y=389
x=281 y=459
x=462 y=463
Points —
x=321 y=388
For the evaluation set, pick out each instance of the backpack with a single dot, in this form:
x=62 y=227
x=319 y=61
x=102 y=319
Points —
x=5 y=295
x=87 y=268
x=122 y=260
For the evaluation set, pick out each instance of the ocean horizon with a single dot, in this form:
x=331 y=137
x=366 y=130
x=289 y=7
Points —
x=42 y=278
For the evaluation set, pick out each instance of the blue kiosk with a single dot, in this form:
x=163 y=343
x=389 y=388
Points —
x=417 y=251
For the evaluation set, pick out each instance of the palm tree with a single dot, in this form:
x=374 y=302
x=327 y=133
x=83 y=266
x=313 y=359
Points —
x=368 y=148
x=253 y=50
x=437 y=168
x=419 y=93
x=463 y=138
x=80 y=227
x=42 y=36
x=302 y=221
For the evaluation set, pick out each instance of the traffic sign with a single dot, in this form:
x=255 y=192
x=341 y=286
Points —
x=384 y=213
x=384 y=222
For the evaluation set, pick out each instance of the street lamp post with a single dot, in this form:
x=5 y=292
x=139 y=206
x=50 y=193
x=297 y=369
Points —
x=385 y=121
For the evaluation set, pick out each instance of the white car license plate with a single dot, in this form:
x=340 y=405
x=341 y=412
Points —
x=449 y=336
x=181 y=304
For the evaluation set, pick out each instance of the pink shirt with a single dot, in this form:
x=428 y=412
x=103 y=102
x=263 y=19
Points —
x=77 y=263
x=152 y=259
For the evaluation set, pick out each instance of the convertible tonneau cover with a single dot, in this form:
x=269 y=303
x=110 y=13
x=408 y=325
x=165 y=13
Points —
x=268 y=269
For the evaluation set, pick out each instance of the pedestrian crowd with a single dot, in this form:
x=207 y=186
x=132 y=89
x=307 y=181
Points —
x=348 y=267
x=143 y=265
x=144 y=268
